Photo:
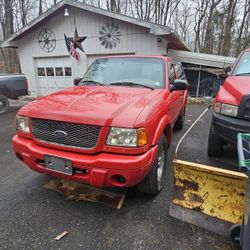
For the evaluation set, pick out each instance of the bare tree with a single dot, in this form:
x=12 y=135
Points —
x=208 y=46
x=241 y=41
x=230 y=21
x=7 y=21
x=183 y=20
x=10 y=58
x=40 y=7
x=200 y=13
x=143 y=9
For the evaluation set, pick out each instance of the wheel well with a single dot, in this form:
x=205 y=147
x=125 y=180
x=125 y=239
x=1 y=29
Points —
x=5 y=92
x=168 y=134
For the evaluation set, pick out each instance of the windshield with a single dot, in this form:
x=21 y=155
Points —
x=133 y=72
x=243 y=65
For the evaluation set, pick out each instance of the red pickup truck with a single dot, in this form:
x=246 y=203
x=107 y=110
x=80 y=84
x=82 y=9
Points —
x=231 y=113
x=112 y=129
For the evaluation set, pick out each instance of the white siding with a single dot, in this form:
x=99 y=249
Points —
x=134 y=40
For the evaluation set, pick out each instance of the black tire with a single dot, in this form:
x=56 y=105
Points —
x=4 y=104
x=235 y=233
x=153 y=182
x=179 y=124
x=215 y=144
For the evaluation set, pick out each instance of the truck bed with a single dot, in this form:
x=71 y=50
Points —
x=13 y=85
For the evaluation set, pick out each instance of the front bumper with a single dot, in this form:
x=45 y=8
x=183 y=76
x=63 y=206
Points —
x=100 y=170
x=228 y=127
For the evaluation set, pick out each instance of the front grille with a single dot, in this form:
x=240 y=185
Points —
x=247 y=109
x=65 y=133
x=244 y=109
x=247 y=114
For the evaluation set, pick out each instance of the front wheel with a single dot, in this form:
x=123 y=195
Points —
x=153 y=182
x=179 y=124
x=235 y=233
x=215 y=144
x=4 y=104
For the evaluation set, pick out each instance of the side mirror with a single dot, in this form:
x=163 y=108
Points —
x=227 y=70
x=77 y=80
x=179 y=85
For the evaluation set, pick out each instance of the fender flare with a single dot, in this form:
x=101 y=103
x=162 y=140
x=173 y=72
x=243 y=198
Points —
x=5 y=91
x=165 y=127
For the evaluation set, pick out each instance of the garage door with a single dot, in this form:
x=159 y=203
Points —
x=53 y=74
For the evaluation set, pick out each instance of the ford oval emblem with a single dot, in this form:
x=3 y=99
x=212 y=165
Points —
x=60 y=134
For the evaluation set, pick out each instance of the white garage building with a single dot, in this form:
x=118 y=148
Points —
x=44 y=57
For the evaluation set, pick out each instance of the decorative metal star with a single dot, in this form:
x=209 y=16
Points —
x=77 y=40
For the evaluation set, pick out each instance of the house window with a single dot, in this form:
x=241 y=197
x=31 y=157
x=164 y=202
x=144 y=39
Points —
x=59 y=71
x=50 y=71
x=41 y=71
x=68 y=71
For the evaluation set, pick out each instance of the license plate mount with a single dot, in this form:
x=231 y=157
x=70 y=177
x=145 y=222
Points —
x=58 y=164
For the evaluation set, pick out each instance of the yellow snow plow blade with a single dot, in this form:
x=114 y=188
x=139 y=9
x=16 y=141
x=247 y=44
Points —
x=206 y=196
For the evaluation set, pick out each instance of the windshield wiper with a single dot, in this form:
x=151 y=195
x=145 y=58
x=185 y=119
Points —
x=92 y=82
x=130 y=84
x=243 y=74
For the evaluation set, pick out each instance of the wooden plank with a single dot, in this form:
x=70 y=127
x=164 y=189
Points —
x=60 y=236
x=83 y=192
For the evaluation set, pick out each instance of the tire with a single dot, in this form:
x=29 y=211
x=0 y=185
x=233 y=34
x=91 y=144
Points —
x=215 y=144
x=179 y=124
x=235 y=233
x=4 y=104
x=153 y=182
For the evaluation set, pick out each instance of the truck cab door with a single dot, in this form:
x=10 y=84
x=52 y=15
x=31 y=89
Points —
x=180 y=74
x=175 y=100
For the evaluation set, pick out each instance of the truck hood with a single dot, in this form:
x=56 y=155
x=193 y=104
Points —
x=237 y=87
x=99 y=105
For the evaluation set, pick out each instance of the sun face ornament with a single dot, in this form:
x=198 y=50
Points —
x=47 y=40
x=110 y=35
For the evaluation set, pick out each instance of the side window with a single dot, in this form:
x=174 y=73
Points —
x=59 y=71
x=180 y=71
x=68 y=71
x=41 y=71
x=171 y=73
x=50 y=71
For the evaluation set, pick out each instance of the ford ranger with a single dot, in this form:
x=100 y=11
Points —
x=112 y=129
x=231 y=109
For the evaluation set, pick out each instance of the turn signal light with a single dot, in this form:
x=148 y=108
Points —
x=217 y=107
x=142 y=138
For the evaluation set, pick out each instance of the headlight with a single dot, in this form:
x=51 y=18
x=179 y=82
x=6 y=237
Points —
x=22 y=124
x=127 y=137
x=226 y=109
x=230 y=110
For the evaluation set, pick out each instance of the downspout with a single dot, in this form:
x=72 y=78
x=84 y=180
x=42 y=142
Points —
x=198 y=85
